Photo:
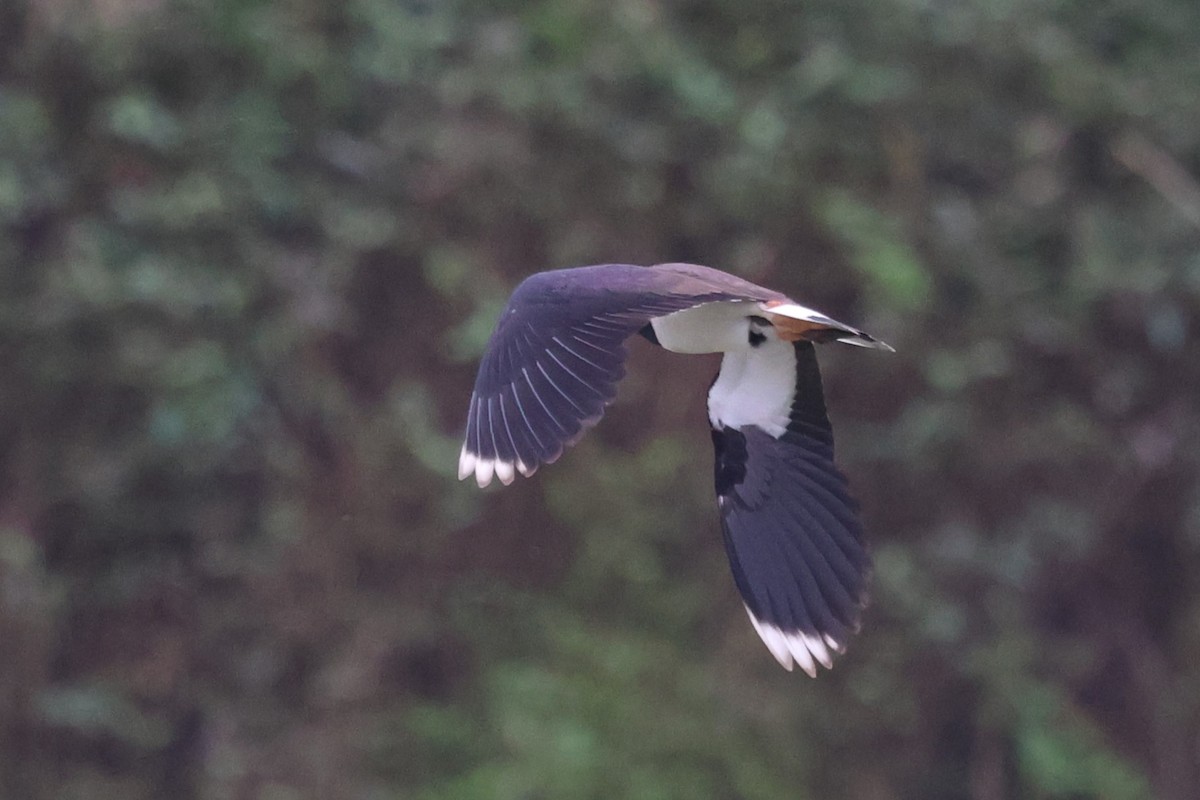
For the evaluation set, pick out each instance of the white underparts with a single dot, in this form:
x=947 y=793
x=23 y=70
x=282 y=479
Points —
x=756 y=386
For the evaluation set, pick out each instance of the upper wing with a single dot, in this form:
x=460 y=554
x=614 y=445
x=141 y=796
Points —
x=556 y=355
x=791 y=529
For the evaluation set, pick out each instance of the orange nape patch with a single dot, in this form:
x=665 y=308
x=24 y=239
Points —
x=791 y=329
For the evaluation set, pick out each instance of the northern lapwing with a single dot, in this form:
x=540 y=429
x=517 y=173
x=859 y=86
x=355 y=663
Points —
x=791 y=529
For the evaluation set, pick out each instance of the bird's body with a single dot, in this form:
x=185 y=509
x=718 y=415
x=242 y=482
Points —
x=791 y=529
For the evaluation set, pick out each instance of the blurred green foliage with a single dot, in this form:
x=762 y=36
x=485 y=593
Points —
x=251 y=249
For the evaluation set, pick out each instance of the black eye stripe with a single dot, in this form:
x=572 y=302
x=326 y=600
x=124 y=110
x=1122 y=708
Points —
x=760 y=321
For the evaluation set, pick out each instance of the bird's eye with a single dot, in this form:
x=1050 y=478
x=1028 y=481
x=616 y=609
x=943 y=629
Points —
x=757 y=326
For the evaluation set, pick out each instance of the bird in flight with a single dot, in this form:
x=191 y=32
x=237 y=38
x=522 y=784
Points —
x=791 y=529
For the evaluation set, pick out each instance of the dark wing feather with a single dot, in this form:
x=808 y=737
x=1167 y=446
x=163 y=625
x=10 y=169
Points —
x=792 y=530
x=554 y=360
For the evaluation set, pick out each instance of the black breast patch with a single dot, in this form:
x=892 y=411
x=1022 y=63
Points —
x=730 y=463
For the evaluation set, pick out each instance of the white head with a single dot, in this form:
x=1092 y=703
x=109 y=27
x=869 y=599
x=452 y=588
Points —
x=712 y=328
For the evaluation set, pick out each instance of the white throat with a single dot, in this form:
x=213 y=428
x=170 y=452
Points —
x=755 y=386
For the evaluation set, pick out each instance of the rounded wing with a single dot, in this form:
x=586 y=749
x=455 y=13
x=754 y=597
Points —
x=791 y=529
x=553 y=362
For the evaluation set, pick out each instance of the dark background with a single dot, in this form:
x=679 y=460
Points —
x=250 y=252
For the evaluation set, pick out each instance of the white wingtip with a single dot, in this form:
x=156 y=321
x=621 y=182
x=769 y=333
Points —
x=816 y=646
x=484 y=469
x=505 y=472
x=796 y=647
x=773 y=639
x=466 y=463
